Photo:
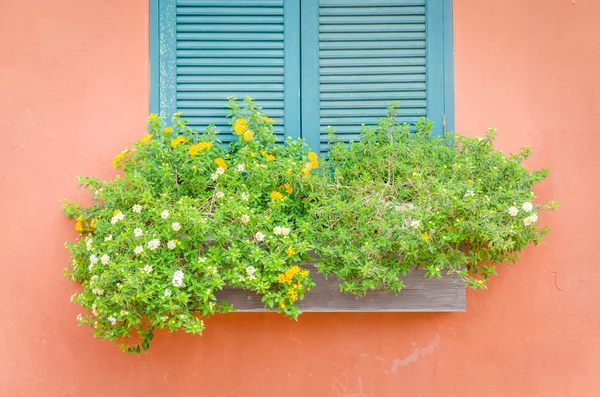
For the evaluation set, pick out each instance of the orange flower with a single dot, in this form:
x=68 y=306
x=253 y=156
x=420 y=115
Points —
x=79 y=226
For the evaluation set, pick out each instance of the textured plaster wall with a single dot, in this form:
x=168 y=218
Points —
x=74 y=84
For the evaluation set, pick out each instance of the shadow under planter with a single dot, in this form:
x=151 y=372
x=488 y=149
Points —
x=446 y=294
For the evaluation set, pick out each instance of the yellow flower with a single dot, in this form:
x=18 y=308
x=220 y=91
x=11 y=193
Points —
x=79 y=226
x=253 y=154
x=276 y=195
x=265 y=118
x=76 y=206
x=146 y=138
x=178 y=140
x=117 y=212
x=263 y=152
x=312 y=156
x=176 y=116
x=168 y=130
x=425 y=237
x=270 y=158
x=195 y=149
x=240 y=126
x=281 y=278
x=93 y=223
x=288 y=188
x=220 y=163
x=247 y=135
x=117 y=160
x=304 y=273
x=282 y=305
x=299 y=286
x=314 y=164
x=291 y=251
x=153 y=117
x=292 y=294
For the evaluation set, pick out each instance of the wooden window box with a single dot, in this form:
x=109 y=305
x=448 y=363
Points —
x=446 y=294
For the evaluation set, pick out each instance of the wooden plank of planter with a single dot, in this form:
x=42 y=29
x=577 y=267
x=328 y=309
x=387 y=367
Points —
x=420 y=295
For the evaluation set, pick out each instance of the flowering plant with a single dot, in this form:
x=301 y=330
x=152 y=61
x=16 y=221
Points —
x=189 y=216
x=399 y=199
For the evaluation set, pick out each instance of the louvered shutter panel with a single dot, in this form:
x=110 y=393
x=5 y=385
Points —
x=211 y=50
x=364 y=54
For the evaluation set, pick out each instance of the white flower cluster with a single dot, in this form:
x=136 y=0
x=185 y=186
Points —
x=148 y=269
x=530 y=220
x=153 y=244
x=98 y=291
x=138 y=250
x=281 y=231
x=108 y=238
x=119 y=216
x=178 y=278
x=105 y=259
x=245 y=218
x=211 y=269
x=137 y=208
x=171 y=244
x=470 y=193
x=88 y=243
x=137 y=232
x=112 y=320
x=93 y=259
x=219 y=194
x=415 y=224
x=245 y=196
x=164 y=214
x=220 y=171
x=167 y=292
x=176 y=226
x=250 y=270
x=259 y=236
x=526 y=207
x=241 y=167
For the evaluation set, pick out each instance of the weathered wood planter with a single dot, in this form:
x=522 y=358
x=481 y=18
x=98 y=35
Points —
x=420 y=295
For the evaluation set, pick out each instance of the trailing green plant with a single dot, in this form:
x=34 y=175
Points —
x=189 y=216
x=399 y=200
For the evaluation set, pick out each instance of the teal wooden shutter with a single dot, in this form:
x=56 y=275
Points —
x=209 y=50
x=360 y=55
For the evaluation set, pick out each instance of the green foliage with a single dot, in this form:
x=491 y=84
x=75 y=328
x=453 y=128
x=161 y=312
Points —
x=398 y=200
x=189 y=216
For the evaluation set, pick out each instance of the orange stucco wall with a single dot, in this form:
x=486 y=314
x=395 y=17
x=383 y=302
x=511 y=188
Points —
x=74 y=83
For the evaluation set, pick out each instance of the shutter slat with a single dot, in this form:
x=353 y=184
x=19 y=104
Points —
x=364 y=11
x=229 y=48
x=370 y=54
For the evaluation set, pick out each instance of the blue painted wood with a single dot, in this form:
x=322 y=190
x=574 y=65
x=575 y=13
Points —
x=168 y=58
x=371 y=52
x=154 y=57
x=449 y=65
x=309 y=53
x=237 y=48
x=435 y=65
x=291 y=67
